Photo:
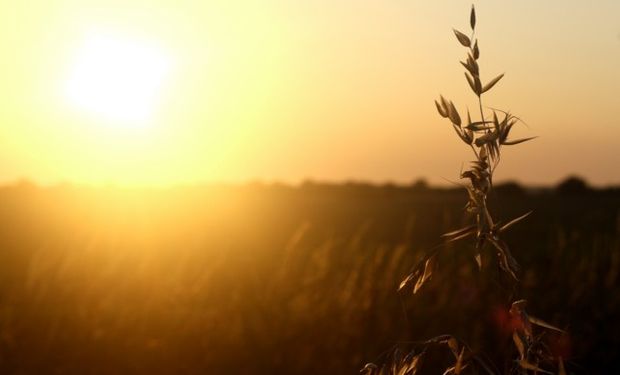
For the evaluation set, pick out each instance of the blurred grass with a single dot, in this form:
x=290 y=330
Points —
x=274 y=279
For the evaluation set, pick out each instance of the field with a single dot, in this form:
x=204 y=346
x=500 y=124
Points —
x=271 y=279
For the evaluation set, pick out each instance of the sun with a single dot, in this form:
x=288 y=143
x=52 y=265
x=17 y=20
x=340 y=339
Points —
x=117 y=79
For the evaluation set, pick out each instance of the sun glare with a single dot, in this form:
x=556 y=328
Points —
x=117 y=79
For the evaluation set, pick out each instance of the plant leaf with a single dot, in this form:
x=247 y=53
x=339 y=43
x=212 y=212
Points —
x=517 y=141
x=519 y=344
x=492 y=83
x=472 y=18
x=460 y=233
x=505 y=131
x=542 y=323
x=478 y=259
x=406 y=281
x=495 y=120
x=513 y=222
x=429 y=267
x=463 y=39
x=458 y=367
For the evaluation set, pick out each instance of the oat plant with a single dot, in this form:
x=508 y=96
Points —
x=486 y=133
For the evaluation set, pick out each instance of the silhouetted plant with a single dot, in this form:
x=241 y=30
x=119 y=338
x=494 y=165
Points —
x=486 y=137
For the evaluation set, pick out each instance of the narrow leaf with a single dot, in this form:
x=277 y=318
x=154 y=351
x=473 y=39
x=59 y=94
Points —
x=506 y=131
x=458 y=367
x=405 y=281
x=460 y=233
x=429 y=267
x=462 y=236
x=517 y=141
x=478 y=259
x=519 y=344
x=513 y=222
x=542 y=323
x=490 y=85
x=463 y=39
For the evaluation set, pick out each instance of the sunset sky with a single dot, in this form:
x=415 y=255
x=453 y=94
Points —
x=158 y=92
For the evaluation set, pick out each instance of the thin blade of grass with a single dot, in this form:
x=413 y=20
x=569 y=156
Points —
x=460 y=233
x=542 y=323
x=513 y=222
x=516 y=142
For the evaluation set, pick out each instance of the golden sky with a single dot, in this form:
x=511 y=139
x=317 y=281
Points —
x=165 y=92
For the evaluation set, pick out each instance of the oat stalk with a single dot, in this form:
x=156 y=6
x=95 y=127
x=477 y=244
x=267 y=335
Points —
x=485 y=136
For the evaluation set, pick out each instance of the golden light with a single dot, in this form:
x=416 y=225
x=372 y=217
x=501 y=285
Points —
x=117 y=79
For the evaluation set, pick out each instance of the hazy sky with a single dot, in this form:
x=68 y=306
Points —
x=165 y=92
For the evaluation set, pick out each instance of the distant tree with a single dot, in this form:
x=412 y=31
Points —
x=572 y=185
x=509 y=188
x=420 y=184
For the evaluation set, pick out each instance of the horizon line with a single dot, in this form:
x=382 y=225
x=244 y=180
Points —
x=420 y=182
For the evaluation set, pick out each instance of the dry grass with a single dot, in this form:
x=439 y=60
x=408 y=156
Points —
x=267 y=280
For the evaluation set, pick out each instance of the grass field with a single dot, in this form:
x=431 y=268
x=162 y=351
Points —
x=270 y=279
